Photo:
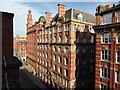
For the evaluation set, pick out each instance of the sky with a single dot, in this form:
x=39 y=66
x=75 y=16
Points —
x=20 y=10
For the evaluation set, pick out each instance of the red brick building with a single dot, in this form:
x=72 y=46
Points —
x=10 y=65
x=107 y=30
x=20 y=46
x=54 y=47
x=7 y=34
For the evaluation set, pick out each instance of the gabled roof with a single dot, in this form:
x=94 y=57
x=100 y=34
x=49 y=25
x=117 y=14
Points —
x=72 y=14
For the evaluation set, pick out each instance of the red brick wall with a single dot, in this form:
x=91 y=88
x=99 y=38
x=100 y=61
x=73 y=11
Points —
x=7 y=34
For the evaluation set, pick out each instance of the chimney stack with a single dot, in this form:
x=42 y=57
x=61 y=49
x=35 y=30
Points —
x=61 y=10
x=48 y=18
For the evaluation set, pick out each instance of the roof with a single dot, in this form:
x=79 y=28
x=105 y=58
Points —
x=42 y=19
x=11 y=62
x=72 y=14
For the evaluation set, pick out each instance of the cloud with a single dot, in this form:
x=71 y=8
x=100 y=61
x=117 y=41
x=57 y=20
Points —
x=20 y=15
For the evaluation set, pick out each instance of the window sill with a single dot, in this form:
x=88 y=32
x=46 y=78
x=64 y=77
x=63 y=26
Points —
x=105 y=61
x=118 y=63
x=106 y=43
x=105 y=78
x=117 y=82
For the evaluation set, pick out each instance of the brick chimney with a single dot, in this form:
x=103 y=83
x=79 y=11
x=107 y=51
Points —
x=61 y=10
x=29 y=19
x=108 y=6
x=48 y=18
x=99 y=9
x=114 y=15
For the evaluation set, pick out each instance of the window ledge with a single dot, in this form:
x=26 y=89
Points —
x=117 y=82
x=105 y=78
x=106 y=43
x=118 y=63
x=105 y=61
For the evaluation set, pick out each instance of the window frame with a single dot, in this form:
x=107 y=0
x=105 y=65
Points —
x=105 y=56
x=105 y=72
x=105 y=38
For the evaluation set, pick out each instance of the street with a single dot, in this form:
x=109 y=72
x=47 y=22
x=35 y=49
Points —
x=28 y=80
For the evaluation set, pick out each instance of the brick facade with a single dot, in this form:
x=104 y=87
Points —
x=52 y=43
x=20 y=46
x=107 y=47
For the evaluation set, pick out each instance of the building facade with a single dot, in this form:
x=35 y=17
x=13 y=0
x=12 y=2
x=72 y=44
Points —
x=7 y=34
x=20 y=46
x=54 y=46
x=107 y=74
x=9 y=64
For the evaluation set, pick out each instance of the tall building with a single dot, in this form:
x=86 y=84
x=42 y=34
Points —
x=107 y=74
x=20 y=46
x=7 y=34
x=56 y=44
x=10 y=65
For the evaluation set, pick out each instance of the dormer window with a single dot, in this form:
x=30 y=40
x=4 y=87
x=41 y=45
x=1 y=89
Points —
x=107 y=19
x=80 y=17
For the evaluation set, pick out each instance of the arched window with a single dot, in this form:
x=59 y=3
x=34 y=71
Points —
x=80 y=17
x=66 y=38
x=60 y=38
x=118 y=38
x=67 y=50
x=92 y=30
x=55 y=39
x=106 y=38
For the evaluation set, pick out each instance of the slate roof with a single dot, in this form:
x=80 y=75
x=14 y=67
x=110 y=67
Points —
x=42 y=19
x=72 y=14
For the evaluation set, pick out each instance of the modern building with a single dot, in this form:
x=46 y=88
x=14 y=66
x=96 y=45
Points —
x=107 y=74
x=10 y=65
x=20 y=46
x=61 y=48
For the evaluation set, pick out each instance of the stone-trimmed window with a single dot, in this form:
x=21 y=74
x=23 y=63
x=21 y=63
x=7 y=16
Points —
x=54 y=67
x=118 y=38
x=67 y=50
x=54 y=57
x=55 y=39
x=66 y=39
x=118 y=56
x=107 y=18
x=106 y=38
x=66 y=72
x=105 y=55
x=118 y=76
x=60 y=49
x=118 y=16
x=105 y=72
x=104 y=87
x=66 y=61
x=60 y=39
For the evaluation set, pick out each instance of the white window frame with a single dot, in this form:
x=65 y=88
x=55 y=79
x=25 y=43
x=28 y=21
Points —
x=105 y=38
x=117 y=76
x=105 y=53
x=107 y=18
x=105 y=72
x=117 y=61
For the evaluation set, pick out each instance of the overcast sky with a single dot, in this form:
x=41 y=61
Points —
x=20 y=10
